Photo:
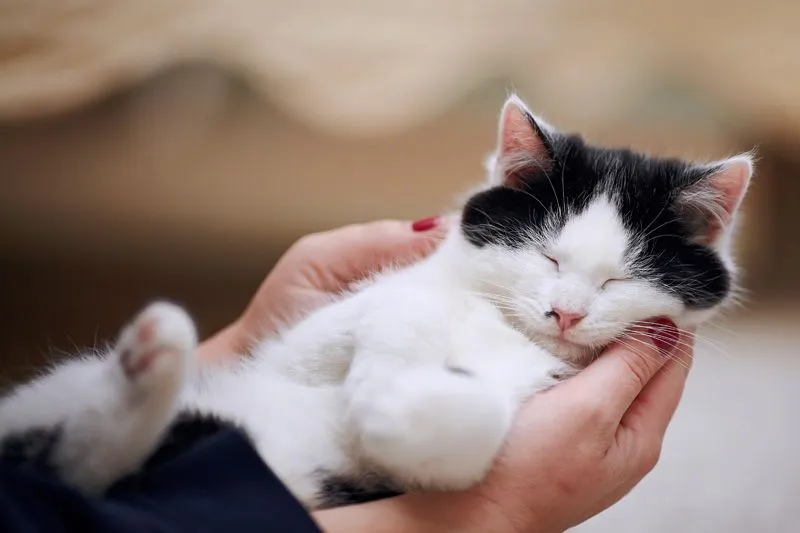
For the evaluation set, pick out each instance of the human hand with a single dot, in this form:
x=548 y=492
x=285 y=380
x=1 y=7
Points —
x=318 y=267
x=574 y=450
x=581 y=446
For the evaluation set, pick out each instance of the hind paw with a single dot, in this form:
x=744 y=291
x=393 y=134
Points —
x=157 y=345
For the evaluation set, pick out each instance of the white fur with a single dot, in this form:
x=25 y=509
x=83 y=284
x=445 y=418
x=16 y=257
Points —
x=112 y=409
x=367 y=382
x=416 y=376
x=590 y=278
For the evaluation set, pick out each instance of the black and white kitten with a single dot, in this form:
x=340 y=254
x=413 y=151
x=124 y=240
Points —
x=411 y=383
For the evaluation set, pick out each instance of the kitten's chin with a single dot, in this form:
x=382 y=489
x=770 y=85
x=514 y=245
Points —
x=577 y=355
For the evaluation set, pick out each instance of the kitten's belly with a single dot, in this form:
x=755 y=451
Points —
x=290 y=398
x=297 y=429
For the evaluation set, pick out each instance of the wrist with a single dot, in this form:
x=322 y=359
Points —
x=458 y=512
x=400 y=514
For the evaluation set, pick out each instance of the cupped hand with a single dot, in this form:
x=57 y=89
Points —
x=318 y=267
x=581 y=446
x=574 y=450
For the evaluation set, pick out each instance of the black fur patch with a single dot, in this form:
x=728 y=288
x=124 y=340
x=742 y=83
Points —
x=187 y=430
x=31 y=449
x=459 y=371
x=645 y=190
x=340 y=490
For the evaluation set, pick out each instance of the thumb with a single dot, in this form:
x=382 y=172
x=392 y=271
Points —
x=615 y=379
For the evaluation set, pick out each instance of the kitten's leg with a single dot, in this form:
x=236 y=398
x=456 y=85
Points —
x=438 y=426
x=137 y=397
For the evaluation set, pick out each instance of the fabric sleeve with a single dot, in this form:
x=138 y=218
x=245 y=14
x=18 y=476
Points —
x=218 y=485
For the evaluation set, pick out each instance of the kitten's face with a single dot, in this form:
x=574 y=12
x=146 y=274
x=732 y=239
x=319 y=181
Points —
x=576 y=244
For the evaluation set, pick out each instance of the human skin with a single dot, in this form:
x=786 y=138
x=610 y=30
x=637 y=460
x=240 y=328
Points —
x=573 y=451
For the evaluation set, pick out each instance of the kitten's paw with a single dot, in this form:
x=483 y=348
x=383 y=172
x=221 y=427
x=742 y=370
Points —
x=540 y=372
x=158 y=345
x=559 y=372
x=434 y=431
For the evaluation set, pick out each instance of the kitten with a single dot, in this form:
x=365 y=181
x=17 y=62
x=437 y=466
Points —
x=411 y=383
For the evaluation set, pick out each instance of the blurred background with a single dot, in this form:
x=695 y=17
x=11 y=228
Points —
x=175 y=148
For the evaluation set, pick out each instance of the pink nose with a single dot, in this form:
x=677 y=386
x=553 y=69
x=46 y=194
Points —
x=567 y=319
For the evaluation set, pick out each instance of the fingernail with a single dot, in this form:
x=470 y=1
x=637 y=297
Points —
x=665 y=335
x=425 y=224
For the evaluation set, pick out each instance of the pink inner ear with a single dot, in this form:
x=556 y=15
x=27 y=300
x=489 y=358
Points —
x=521 y=145
x=519 y=137
x=730 y=184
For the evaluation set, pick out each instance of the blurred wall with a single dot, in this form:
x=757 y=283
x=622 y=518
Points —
x=187 y=179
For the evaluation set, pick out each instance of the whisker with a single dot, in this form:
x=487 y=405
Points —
x=674 y=357
x=645 y=327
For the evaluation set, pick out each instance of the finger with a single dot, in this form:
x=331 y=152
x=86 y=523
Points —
x=612 y=382
x=651 y=412
x=354 y=251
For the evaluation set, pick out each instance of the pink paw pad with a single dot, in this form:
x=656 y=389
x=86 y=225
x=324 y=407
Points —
x=146 y=331
x=135 y=363
x=161 y=330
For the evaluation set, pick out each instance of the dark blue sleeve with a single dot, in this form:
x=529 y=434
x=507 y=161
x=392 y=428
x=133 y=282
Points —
x=219 y=485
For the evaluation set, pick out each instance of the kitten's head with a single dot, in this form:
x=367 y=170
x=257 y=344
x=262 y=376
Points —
x=576 y=243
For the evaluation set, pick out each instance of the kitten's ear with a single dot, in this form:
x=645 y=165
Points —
x=524 y=143
x=711 y=202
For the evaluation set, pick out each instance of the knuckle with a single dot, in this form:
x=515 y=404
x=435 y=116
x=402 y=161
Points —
x=650 y=455
x=641 y=368
x=308 y=242
x=370 y=231
x=385 y=227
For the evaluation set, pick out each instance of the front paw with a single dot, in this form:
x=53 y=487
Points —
x=540 y=372
x=434 y=433
x=561 y=371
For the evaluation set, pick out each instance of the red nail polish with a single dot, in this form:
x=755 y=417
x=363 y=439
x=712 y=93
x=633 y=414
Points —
x=664 y=334
x=425 y=224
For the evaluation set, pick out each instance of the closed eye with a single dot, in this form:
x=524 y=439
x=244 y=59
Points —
x=551 y=259
x=613 y=280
